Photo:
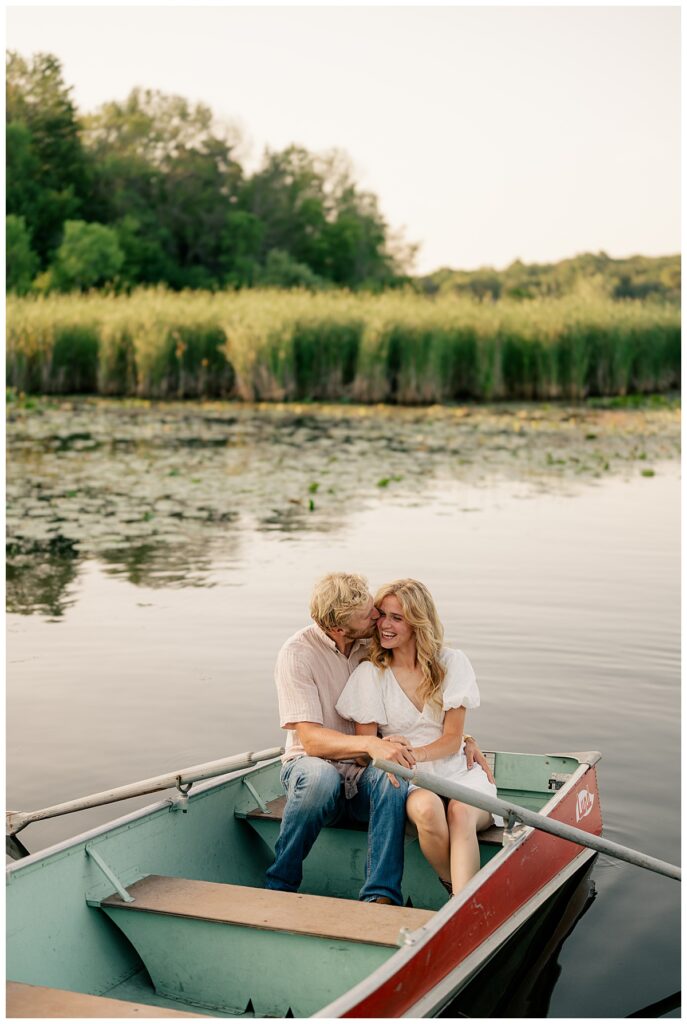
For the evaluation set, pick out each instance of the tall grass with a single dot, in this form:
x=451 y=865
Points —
x=398 y=347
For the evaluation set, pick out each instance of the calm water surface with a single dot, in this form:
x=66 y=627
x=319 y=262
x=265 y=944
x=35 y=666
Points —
x=159 y=556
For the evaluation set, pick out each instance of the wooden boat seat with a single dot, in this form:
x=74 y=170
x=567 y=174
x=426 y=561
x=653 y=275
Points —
x=39 y=1001
x=275 y=812
x=270 y=909
x=232 y=947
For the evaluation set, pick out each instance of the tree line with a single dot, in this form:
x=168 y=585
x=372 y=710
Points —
x=637 y=277
x=150 y=191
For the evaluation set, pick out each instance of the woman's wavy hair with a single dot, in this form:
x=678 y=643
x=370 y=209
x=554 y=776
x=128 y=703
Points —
x=420 y=612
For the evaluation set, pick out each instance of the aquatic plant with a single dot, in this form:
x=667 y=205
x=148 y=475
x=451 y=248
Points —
x=270 y=345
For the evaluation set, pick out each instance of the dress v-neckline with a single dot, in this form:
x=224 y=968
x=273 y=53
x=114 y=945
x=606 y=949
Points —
x=419 y=711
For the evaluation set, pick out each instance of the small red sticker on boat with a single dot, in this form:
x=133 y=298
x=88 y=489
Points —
x=585 y=802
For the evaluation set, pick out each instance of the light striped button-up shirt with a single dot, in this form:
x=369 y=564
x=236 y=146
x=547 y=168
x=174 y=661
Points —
x=310 y=674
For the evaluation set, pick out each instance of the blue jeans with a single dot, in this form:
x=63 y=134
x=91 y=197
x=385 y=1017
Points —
x=315 y=797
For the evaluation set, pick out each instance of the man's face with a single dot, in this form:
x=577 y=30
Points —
x=361 y=624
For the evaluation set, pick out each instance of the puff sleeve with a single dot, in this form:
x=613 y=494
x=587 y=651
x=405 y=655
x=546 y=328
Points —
x=361 y=700
x=460 y=685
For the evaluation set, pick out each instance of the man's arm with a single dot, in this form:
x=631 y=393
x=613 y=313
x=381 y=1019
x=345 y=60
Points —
x=317 y=741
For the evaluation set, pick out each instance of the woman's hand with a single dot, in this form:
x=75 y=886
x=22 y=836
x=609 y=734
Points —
x=473 y=755
x=400 y=739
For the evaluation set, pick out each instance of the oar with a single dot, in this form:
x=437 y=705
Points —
x=514 y=812
x=15 y=821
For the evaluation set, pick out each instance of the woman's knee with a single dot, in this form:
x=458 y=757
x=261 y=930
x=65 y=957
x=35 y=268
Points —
x=461 y=817
x=426 y=810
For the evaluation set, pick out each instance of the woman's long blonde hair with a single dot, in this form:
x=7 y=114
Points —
x=420 y=612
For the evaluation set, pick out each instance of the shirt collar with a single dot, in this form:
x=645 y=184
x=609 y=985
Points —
x=324 y=637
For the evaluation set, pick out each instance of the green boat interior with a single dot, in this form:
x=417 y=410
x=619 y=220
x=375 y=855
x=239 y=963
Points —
x=167 y=910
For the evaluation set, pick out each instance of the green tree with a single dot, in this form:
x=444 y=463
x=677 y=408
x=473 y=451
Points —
x=165 y=174
x=282 y=271
x=47 y=172
x=21 y=260
x=311 y=209
x=22 y=167
x=89 y=256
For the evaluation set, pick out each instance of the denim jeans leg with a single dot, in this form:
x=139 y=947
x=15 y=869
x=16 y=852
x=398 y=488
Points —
x=314 y=795
x=384 y=806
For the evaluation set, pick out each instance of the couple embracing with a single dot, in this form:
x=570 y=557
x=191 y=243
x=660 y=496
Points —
x=371 y=678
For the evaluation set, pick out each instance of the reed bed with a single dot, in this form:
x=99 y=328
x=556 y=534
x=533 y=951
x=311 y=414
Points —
x=272 y=345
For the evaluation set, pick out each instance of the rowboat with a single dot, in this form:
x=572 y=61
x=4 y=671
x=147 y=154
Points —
x=163 y=912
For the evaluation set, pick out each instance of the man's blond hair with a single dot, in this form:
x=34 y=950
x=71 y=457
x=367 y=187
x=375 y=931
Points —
x=336 y=597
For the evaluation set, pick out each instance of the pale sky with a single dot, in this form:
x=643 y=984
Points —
x=488 y=133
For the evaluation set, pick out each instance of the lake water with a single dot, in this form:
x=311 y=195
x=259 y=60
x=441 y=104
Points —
x=159 y=556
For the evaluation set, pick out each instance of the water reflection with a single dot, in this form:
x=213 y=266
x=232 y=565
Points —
x=150 y=489
x=519 y=981
x=40 y=577
x=160 y=564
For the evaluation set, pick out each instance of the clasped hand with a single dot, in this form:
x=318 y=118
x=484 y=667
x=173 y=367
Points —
x=400 y=749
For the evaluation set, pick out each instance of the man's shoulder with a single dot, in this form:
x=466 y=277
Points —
x=310 y=639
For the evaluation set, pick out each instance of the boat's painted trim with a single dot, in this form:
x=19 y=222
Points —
x=127 y=819
x=434 y=1001
x=414 y=942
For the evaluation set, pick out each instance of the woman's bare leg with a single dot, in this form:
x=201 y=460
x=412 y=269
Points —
x=464 y=822
x=426 y=811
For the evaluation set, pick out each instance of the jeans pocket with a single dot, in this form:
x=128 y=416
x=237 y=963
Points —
x=286 y=771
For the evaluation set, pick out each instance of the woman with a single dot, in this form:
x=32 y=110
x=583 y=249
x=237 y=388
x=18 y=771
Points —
x=415 y=686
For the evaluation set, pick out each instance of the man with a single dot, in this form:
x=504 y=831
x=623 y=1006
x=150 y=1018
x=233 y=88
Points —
x=323 y=771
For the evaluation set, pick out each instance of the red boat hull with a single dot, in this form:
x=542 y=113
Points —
x=535 y=861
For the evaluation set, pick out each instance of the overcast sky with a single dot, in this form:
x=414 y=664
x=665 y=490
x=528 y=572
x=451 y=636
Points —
x=488 y=133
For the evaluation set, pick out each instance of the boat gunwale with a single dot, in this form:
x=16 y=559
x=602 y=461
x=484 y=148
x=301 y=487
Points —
x=127 y=820
x=414 y=942
x=199 y=789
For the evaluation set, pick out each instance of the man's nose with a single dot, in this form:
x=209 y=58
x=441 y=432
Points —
x=375 y=614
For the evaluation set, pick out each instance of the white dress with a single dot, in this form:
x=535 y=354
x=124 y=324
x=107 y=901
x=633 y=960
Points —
x=371 y=695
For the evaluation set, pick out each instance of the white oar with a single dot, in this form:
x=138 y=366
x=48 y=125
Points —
x=15 y=821
x=514 y=812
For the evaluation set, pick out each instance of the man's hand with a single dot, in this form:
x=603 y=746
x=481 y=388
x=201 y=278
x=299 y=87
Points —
x=474 y=755
x=392 y=748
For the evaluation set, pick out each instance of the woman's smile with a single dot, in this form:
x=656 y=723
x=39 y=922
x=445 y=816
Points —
x=392 y=627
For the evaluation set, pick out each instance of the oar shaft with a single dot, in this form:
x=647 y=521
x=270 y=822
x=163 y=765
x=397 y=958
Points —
x=495 y=805
x=17 y=820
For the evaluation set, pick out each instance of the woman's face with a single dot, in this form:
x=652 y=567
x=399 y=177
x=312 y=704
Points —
x=392 y=628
